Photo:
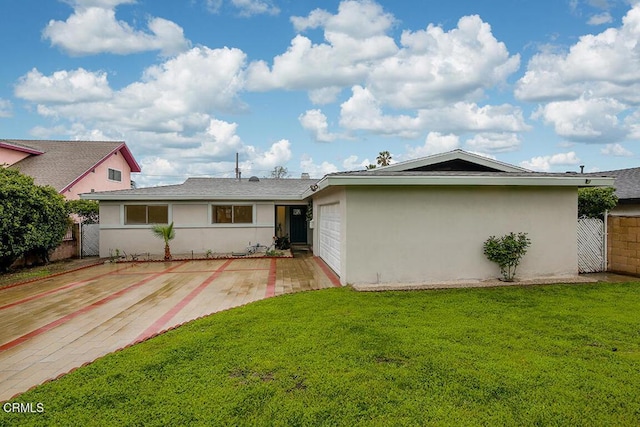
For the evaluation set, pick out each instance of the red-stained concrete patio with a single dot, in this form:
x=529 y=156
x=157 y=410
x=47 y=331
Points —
x=53 y=325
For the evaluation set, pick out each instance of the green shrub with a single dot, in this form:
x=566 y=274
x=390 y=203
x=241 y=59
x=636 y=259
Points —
x=507 y=251
x=33 y=219
x=593 y=202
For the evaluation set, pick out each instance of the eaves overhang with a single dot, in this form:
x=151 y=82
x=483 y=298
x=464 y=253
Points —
x=463 y=180
x=194 y=198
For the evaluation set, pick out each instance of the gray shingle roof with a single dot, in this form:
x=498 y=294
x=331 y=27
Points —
x=215 y=189
x=627 y=182
x=62 y=162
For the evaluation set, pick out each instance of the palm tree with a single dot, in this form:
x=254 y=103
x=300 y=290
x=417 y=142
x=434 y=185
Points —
x=167 y=233
x=384 y=158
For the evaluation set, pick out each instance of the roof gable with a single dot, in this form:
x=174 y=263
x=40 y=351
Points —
x=456 y=160
x=11 y=145
x=61 y=164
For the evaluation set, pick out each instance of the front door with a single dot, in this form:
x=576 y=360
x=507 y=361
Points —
x=298 y=224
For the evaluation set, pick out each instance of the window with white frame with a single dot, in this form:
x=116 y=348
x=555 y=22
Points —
x=232 y=214
x=115 y=175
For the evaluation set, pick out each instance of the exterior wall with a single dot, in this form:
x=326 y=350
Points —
x=623 y=244
x=194 y=230
x=337 y=195
x=626 y=210
x=9 y=157
x=69 y=248
x=99 y=180
x=436 y=234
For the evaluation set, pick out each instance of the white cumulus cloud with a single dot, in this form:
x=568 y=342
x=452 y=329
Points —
x=316 y=170
x=494 y=142
x=545 y=163
x=606 y=64
x=436 y=67
x=315 y=122
x=594 y=120
x=64 y=86
x=616 y=150
x=93 y=28
x=355 y=38
x=434 y=143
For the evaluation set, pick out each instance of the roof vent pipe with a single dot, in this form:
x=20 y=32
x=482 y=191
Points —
x=581 y=168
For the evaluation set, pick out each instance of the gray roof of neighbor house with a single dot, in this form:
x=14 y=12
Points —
x=214 y=189
x=62 y=163
x=627 y=183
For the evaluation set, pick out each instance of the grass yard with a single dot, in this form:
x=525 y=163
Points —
x=539 y=355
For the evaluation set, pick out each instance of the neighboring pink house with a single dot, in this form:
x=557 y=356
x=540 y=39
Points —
x=72 y=167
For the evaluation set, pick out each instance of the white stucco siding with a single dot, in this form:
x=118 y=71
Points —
x=436 y=234
x=190 y=214
x=194 y=229
x=109 y=213
x=626 y=210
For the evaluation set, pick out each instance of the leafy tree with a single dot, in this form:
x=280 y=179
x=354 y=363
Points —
x=594 y=201
x=33 y=219
x=507 y=251
x=87 y=210
x=279 y=172
x=371 y=167
x=167 y=233
x=384 y=158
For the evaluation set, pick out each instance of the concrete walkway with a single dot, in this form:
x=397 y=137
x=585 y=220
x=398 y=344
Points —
x=53 y=325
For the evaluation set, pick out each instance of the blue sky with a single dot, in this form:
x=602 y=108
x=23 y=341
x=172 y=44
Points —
x=324 y=86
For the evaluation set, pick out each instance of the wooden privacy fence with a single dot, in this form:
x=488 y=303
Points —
x=591 y=246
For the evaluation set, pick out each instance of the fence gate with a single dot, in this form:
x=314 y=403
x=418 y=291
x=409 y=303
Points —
x=90 y=240
x=590 y=245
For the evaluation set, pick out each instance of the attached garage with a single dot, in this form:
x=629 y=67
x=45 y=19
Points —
x=426 y=220
x=329 y=235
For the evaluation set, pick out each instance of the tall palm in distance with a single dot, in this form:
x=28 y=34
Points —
x=384 y=158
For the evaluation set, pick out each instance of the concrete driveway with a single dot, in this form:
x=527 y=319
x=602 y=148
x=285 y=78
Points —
x=55 y=324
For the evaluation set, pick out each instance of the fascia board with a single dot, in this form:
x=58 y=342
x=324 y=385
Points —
x=538 y=181
x=203 y=197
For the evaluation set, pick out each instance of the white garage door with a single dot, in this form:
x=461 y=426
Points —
x=329 y=233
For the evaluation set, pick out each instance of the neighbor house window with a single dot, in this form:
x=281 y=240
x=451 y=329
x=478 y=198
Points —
x=146 y=214
x=115 y=175
x=232 y=214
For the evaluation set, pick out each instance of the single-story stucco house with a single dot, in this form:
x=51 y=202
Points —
x=420 y=221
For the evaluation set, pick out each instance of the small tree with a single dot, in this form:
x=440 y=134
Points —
x=507 y=251
x=370 y=167
x=594 y=201
x=279 y=172
x=167 y=233
x=87 y=210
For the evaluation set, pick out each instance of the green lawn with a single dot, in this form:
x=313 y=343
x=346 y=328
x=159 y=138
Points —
x=539 y=355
